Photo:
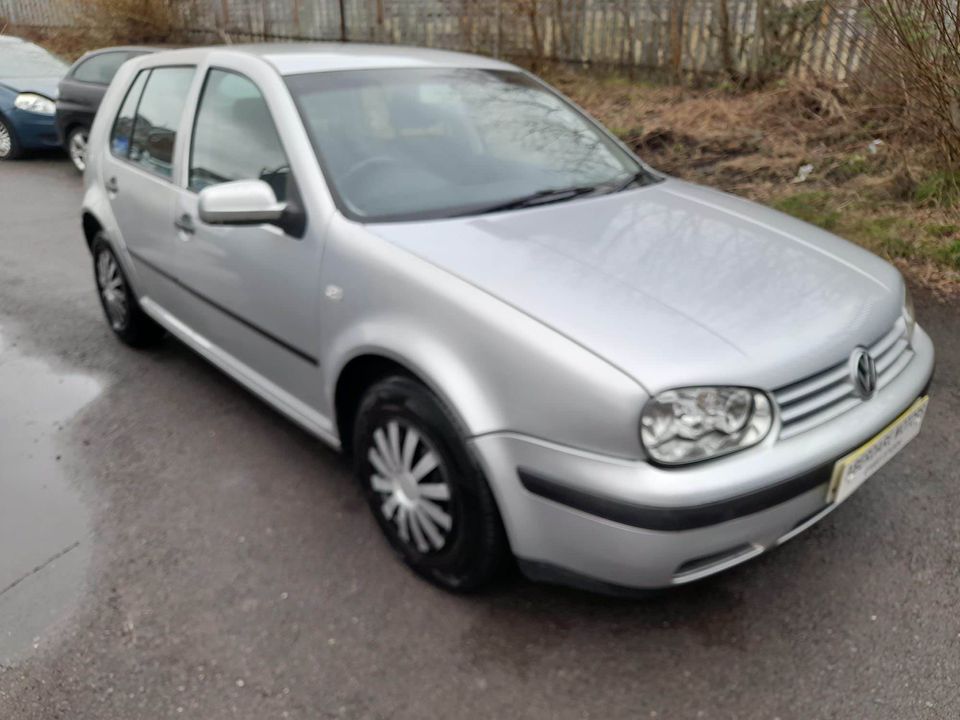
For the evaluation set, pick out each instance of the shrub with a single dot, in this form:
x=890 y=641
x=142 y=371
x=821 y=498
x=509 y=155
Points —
x=779 y=39
x=915 y=66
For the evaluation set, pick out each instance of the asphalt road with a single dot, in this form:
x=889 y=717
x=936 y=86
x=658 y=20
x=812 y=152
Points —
x=170 y=547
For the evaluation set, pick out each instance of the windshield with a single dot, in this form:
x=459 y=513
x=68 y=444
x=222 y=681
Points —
x=26 y=60
x=406 y=144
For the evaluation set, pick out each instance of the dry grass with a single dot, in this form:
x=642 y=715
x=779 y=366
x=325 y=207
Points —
x=886 y=195
x=135 y=22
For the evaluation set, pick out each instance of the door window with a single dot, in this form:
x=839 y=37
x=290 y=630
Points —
x=123 y=125
x=234 y=137
x=100 y=69
x=153 y=136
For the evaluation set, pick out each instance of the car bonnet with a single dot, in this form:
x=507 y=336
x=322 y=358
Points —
x=674 y=284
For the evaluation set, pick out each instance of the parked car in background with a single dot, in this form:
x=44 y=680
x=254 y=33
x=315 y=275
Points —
x=527 y=340
x=81 y=91
x=28 y=90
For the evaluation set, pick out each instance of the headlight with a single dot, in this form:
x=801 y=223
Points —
x=690 y=424
x=31 y=102
x=909 y=314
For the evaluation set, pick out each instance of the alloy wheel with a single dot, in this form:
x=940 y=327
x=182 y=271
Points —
x=112 y=290
x=6 y=141
x=411 y=482
x=77 y=149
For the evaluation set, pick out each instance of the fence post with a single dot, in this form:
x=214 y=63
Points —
x=225 y=8
x=756 y=68
x=343 y=21
x=725 y=38
x=496 y=35
x=678 y=10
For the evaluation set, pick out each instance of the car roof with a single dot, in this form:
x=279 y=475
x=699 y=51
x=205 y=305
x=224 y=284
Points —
x=298 y=58
x=138 y=49
x=123 y=48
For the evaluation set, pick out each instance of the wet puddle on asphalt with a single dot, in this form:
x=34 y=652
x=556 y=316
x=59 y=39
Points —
x=44 y=525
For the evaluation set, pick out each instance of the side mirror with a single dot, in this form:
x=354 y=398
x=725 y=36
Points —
x=241 y=202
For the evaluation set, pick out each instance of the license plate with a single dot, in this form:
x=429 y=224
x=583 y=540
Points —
x=852 y=471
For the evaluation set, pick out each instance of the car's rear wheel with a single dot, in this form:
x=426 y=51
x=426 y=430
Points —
x=124 y=314
x=9 y=146
x=424 y=488
x=77 y=148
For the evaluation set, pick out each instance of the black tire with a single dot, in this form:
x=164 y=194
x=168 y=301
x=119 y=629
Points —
x=77 y=136
x=133 y=326
x=16 y=150
x=474 y=545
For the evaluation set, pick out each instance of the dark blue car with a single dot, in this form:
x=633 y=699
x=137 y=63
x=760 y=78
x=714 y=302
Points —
x=29 y=76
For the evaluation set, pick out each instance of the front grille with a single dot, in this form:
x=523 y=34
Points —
x=822 y=397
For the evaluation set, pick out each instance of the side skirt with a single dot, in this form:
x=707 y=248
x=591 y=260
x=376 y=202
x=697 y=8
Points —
x=298 y=411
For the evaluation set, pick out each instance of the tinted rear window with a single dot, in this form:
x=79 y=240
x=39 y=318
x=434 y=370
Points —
x=100 y=69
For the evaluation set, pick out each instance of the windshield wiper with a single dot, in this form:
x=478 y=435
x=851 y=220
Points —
x=641 y=178
x=541 y=197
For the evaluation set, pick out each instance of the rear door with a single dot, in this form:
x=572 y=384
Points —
x=138 y=174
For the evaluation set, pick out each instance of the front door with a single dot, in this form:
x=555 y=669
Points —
x=138 y=175
x=253 y=290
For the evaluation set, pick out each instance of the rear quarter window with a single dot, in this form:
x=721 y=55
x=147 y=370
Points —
x=123 y=124
x=100 y=69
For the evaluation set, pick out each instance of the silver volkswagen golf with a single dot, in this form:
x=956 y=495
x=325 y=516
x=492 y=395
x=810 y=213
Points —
x=529 y=342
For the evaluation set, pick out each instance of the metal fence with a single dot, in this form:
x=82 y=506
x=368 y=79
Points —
x=679 y=35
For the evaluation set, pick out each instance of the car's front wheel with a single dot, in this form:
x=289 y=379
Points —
x=77 y=148
x=424 y=488
x=124 y=314
x=9 y=146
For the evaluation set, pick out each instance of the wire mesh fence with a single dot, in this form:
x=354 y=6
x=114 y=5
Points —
x=828 y=39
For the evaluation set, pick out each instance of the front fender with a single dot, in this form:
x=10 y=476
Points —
x=445 y=373
x=497 y=368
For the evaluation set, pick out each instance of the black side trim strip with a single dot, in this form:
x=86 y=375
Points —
x=212 y=303
x=544 y=572
x=679 y=518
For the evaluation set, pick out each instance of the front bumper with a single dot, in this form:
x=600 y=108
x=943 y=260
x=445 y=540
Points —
x=575 y=516
x=35 y=131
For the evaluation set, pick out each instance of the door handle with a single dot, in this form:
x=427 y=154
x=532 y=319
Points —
x=112 y=186
x=184 y=224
